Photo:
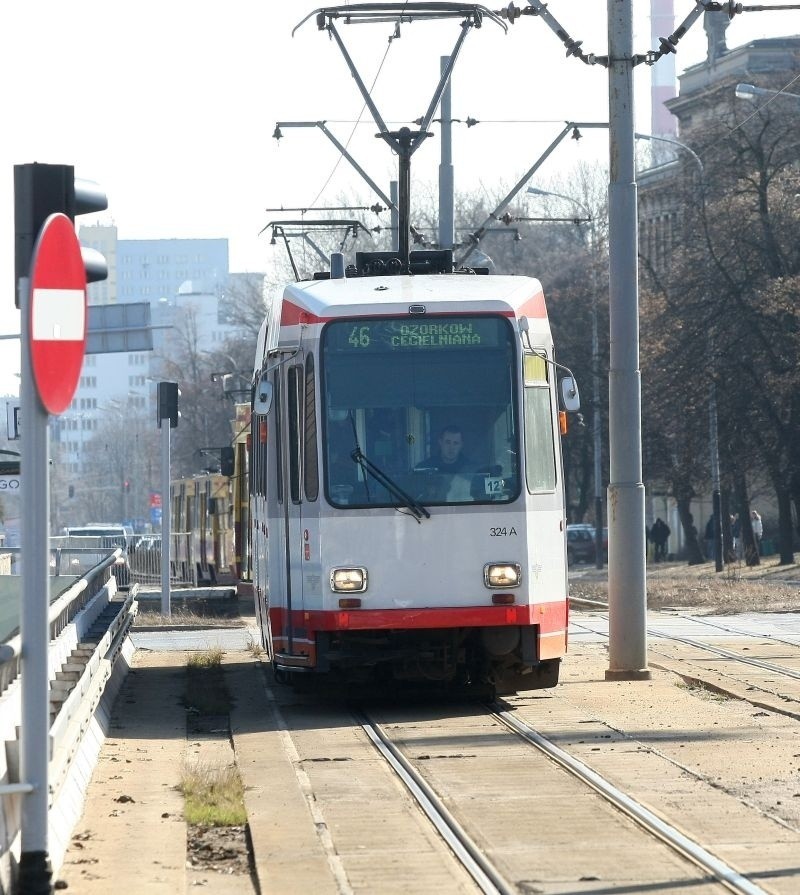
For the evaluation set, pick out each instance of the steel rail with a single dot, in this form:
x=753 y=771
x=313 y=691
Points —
x=647 y=819
x=728 y=654
x=721 y=651
x=487 y=878
x=774 y=638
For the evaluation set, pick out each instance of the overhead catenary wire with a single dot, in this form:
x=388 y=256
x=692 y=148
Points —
x=360 y=115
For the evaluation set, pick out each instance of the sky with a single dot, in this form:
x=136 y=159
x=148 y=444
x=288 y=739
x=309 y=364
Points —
x=171 y=107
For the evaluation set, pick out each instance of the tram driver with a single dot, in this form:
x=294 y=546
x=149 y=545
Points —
x=448 y=470
x=449 y=457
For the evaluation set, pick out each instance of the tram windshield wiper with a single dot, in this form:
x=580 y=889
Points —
x=416 y=508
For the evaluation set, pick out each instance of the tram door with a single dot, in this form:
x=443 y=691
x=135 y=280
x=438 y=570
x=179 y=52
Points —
x=290 y=499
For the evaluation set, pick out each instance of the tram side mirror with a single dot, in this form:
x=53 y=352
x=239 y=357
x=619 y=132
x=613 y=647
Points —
x=570 y=397
x=262 y=400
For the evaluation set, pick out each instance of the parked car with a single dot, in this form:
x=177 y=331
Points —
x=580 y=543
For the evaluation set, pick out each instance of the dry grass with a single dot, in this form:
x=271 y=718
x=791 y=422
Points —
x=184 y=616
x=213 y=796
x=254 y=647
x=210 y=658
x=739 y=588
x=206 y=693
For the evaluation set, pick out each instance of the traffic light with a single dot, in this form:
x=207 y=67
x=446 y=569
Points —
x=126 y=486
x=71 y=491
x=167 y=403
x=226 y=461
x=42 y=190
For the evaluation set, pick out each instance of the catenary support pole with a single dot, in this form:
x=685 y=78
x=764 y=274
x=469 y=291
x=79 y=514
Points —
x=446 y=198
x=627 y=586
x=597 y=424
x=716 y=501
x=166 y=522
x=395 y=214
x=34 y=870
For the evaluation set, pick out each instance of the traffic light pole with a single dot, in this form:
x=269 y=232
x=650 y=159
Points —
x=166 y=522
x=35 y=872
x=167 y=394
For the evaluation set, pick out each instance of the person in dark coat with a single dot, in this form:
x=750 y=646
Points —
x=659 y=535
x=709 y=535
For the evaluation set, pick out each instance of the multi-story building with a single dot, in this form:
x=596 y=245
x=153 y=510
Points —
x=706 y=98
x=177 y=278
x=707 y=91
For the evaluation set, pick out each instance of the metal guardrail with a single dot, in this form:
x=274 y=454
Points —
x=71 y=722
x=65 y=558
x=144 y=560
x=60 y=614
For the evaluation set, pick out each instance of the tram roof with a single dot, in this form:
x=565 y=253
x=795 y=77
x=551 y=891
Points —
x=321 y=300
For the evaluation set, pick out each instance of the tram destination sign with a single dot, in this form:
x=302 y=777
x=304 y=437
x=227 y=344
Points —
x=354 y=336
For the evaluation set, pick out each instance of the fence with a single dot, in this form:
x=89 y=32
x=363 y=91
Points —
x=144 y=560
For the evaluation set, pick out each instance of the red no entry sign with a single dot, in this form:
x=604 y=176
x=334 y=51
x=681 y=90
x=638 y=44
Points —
x=58 y=313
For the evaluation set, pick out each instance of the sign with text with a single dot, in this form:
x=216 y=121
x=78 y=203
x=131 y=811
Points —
x=10 y=484
x=424 y=334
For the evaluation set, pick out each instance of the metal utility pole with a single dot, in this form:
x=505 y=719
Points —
x=627 y=584
x=35 y=870
x=597 y=424
x=716 y=500
x=166 y=522
x=446 y=187
x=167 y=394
x=394 y=221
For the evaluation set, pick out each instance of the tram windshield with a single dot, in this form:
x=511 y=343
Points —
x=429 y=401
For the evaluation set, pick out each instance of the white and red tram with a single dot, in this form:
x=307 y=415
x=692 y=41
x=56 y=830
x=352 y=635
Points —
x=369 y=557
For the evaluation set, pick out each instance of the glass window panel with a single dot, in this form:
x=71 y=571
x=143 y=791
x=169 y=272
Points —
x=310 y=465
x=429 y=403
x=540 y=462
x=535 y=369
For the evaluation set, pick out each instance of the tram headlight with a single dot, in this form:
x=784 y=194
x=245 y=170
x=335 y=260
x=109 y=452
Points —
x=502 y=574
x=349 y=581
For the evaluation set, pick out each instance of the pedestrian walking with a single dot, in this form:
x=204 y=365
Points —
x=758 y=529
x=709 y=535
x=736 y=534
x=659 y=535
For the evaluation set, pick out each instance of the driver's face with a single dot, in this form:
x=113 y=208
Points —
x=450 y=445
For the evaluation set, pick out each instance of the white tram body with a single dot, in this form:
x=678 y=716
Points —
x=370 y=558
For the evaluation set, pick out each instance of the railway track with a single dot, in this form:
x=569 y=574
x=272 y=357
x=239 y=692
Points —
x=487 y=876
x=577 y=789
x=748 y=677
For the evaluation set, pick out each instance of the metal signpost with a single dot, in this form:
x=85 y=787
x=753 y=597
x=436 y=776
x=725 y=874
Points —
x=53 y=312
x=167 y=418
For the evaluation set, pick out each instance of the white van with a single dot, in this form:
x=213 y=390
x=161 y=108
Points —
x=107 y=537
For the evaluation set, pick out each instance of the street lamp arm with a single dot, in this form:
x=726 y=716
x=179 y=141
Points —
x=749 y=91
x=680 y=145
x=474 y=238
x=535 y=191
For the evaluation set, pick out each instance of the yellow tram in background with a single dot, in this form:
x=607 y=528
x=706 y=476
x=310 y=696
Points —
x=210 y=518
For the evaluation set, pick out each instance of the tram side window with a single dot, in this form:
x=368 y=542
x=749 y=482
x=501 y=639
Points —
x=293 y=404
x=259 y=470
x=540 y=463
x=310 y=459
